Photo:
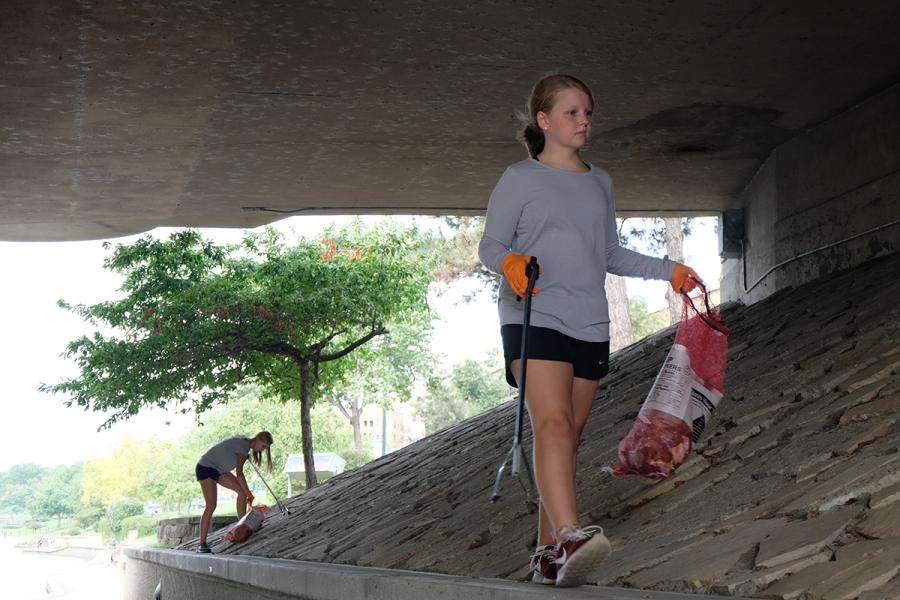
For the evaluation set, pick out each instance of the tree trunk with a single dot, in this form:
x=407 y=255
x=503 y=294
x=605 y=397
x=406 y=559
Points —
x=352 y=412
x=674 y=236
x=309 y=462
x=355 y=416
x=621 y=331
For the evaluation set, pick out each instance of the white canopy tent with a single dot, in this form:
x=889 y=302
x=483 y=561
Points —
x=328 y=464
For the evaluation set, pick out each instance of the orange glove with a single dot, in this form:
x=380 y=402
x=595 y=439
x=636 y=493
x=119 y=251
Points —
x=684 y=279
x=514 y=268
x=250 y=498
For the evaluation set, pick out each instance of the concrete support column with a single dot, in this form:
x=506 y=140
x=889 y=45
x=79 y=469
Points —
x=837 y=180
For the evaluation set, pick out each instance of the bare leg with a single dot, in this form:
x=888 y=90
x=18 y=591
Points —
x=230 y=481
x=583 y=393
x=549 y=399
x=209 y=496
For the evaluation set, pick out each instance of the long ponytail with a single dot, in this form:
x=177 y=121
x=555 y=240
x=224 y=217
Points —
x=256 y=457
x=533 y=138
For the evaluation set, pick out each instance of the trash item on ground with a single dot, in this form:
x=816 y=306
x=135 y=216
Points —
x=247 y=525
x=680 y=403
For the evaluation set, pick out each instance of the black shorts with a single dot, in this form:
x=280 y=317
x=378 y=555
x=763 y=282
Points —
x=206 y=473
x=590 y=360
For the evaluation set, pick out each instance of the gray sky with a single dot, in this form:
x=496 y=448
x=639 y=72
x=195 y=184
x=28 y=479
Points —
x=35 y=331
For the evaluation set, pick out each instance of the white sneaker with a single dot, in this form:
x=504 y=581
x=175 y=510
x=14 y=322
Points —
x=579 y=554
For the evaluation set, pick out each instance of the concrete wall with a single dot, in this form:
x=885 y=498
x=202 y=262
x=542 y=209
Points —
x=190 y=576
x=838 y=179
x=143 y=574
x=174 y=532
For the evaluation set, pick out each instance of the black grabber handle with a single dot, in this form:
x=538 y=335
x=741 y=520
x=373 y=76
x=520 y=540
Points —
x=523 y=353
x=516 y=456
x=532 y=272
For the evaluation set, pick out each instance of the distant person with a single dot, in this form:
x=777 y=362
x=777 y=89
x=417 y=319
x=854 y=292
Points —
x=560 y=209
x=113 y=547
x=215 y=467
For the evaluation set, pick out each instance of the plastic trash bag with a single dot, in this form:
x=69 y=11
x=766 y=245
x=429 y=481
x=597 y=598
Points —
x=680 y=403
x=249 y=523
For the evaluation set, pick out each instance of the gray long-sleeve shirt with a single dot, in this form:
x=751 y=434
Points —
x=223 y=456
x=568 y=221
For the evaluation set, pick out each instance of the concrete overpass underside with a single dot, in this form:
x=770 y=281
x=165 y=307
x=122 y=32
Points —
x=117 y=117
x=120 y=116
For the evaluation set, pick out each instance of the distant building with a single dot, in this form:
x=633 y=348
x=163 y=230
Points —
x=400 y=429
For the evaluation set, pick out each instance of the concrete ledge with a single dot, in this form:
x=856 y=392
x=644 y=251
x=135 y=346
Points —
x=186 y=575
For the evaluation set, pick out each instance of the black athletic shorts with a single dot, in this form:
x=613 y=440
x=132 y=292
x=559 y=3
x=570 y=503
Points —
x=590 y=360
x=206 y=473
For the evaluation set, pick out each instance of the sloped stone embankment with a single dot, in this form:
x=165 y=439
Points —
x=794 y=489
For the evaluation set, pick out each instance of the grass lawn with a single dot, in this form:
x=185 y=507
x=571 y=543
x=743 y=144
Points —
x=41 y=528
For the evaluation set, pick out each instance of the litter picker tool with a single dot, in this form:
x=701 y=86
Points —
x=281 y=507
x=516 y=456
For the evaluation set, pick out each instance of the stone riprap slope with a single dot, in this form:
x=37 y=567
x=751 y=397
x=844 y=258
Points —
x=794 y=488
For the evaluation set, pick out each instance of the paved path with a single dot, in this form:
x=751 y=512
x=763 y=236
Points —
x=33 y=576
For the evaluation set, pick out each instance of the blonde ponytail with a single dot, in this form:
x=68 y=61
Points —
x=256 y=457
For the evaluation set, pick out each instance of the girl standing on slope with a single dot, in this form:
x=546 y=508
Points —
x=215 y=466
x=556 y=207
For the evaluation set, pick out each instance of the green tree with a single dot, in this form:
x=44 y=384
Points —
x=473 y=387
x=442 y=405
x=383 y=373
x=123 y=473
x=661 y=236
x=479 y=385
x=90 y=514
x=643 y=320
x=198 y=320
x=18 y=485
x=120 y=510
x=25 y=473
x=58 y=494
x=459 y=253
